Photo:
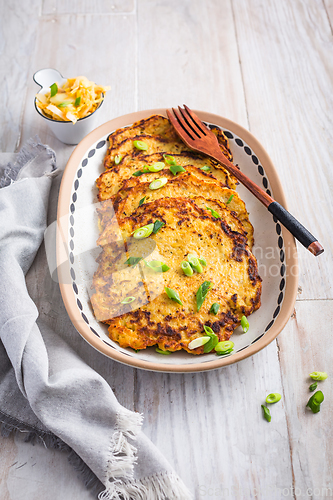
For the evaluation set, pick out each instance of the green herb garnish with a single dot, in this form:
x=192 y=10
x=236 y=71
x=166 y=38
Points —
x=313 y=386
x=77 y=101
x=141 y=202
x=158 y=183
x=156 y=166
x=177 y=168
x=143 y=232
x=224 y=347
x=64 y=104
x=117 y=159
x=214 y=213
x=169 y=159
x=186 y=268
x=315 y=401
x=54 y=89
x=160 y=351
x=213 y=341
x=157 y=225
x=133 y=261
x=267 y=413
x=194 y=262
x=229 y=200
x=245 y=324
x=205 y=168
x=214 y=308
x=202 y=293
x=173 y=295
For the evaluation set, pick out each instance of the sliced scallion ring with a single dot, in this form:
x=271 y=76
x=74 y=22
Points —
x=128 y=300
x=274 y=397
x=161 y=351
x=157 y=266
x=202 y=293
x=77 y=101
x=198 y=342
x=143 y=232
x=202 y=261
x=229 y=200
x=214 y=213
x=117 y=159
x=205 y=168
x=318 y=375
x=213 y=339
x=313 y=386
x=224 y=347
x=245 y=324
x=158 y=183
x=141 y=202
x=267 y=413
x=141 y=145
x=64 y=104
x=169 y=159
x=157 y=225
x=156 y=166
x=186 y=267
x=194 y=261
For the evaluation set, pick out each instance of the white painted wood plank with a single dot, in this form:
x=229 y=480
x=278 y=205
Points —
x=18 y=25
x=34 y=473
x=99 y=47
x=306 y=346
x=210 y=427
x=187 y=53
x=54 y=7
x=329 y=9
x=286 y=57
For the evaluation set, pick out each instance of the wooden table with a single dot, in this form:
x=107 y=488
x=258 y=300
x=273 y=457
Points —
x=268 y=66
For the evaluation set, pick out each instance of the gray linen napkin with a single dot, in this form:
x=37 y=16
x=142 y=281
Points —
x=46 y=390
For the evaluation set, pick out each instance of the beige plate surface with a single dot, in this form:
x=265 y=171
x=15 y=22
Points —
x=275 y=250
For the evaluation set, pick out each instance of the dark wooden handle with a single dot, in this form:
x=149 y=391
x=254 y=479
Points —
x=296 y=228
x=288 y=220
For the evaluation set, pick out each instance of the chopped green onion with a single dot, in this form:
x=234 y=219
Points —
x=194 y=261
x=157 y=265
x=203 y=261
x=77 y=101
x=177 y=168
x=158 y=183
x=64 y=104
x=132 y=261
x=245 y=324
x=202 y=293
x=141 y=202
x=213 y=339
x=127 y=300
x=229 y=200
x=267 y=413
x=173 y=295
x=274 y=397
x=187 y=269
x=214 y=308
x=143 y=232
x=142 y=146
x=313 y=386
x=157 y=225
x=54 y=89
x=205 y=168
x=315 y=401
x=214 y=213
x=160 y=351
x=156 y=166
x=169 y=159
x=198 y=342
x=138 y=173
x=318 y=375
x=117 y=159
x=224 y=347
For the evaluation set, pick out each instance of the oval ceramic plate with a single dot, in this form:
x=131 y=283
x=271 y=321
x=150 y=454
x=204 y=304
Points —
x=77 y=233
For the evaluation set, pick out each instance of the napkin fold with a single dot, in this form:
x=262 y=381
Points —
x=46 y=390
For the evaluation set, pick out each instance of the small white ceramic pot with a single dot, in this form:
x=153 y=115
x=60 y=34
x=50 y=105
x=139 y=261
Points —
x=66 y=132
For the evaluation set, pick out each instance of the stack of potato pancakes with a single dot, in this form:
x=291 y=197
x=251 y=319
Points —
x=176 y=240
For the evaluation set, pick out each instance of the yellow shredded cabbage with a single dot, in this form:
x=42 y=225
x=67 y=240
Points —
x=77 y=98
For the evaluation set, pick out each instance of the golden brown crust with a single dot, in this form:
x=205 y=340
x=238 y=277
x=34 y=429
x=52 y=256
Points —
x=231 y=268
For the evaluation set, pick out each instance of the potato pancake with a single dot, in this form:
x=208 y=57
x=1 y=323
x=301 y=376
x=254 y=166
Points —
x=231 y=269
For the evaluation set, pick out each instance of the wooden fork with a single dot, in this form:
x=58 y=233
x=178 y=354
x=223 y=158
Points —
x=200 y=138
